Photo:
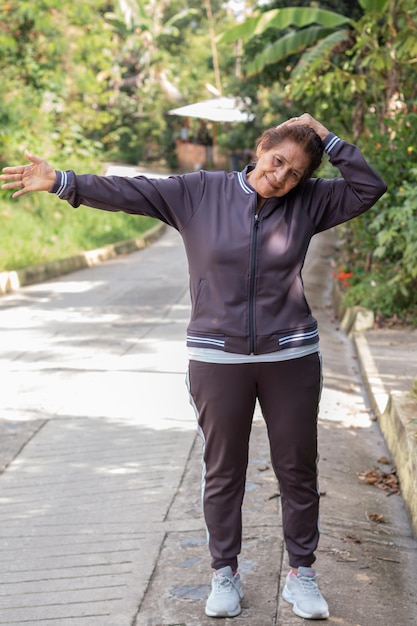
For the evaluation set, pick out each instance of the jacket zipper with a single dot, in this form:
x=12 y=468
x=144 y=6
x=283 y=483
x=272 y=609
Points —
x=252 y=286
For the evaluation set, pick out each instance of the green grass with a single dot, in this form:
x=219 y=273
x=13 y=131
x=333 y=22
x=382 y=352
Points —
x=38 y=228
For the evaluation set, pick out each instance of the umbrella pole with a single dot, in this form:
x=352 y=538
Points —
x=214 y=135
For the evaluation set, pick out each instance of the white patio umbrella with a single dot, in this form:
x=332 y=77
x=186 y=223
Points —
x=222 y=109
x=217 y=110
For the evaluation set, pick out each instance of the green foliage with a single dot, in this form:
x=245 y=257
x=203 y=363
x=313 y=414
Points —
x=380 y=247
x=376 y=291
x=281 y=19
x=309 y=25
x=290 y=43
x=396 y=235
x=373 y=5
x=42 y=228
x=45 y=75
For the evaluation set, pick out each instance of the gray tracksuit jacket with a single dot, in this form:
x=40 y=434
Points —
x=245 y=269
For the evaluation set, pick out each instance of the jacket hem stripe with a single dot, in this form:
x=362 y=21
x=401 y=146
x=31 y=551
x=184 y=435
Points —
x=313 y=335
x=207 y=341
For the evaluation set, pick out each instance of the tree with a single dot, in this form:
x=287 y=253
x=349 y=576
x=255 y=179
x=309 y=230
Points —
x=50 y=94
x=332 y=53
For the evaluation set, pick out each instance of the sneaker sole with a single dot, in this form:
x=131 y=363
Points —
x=289 y=598
x=223 y=613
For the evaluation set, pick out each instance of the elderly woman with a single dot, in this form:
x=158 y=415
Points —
x=251 y=335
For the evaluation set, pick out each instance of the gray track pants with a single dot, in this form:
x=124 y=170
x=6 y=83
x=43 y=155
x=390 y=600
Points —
x=224 y=399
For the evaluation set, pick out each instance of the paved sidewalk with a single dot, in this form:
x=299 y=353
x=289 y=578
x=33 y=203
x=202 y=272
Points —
x=100 y=506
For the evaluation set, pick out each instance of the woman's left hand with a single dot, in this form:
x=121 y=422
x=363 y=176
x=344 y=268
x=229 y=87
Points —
x=37 y=176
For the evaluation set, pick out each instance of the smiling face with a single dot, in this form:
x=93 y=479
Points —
x=279 y=169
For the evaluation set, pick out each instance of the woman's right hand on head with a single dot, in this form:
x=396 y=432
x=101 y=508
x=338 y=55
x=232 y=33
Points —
x=38 y=175
x=308 y=120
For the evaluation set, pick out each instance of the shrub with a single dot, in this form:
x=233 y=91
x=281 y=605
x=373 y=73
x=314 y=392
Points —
x=380 y=247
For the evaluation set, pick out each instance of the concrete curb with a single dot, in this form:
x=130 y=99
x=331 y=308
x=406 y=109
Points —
x=396 y=412
x=13 y=280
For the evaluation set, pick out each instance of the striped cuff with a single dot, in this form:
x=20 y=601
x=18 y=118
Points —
x=330 y=142
x=61 y=183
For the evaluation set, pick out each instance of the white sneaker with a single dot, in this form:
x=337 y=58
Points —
x=226 y=594
x=304 y=594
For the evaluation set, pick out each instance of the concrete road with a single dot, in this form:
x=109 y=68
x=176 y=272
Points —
x=100 y=515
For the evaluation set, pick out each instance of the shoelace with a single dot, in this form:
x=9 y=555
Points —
x=309 y=585
x=223 y=584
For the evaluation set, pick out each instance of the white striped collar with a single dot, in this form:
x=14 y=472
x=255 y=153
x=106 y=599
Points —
x=241 y=176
